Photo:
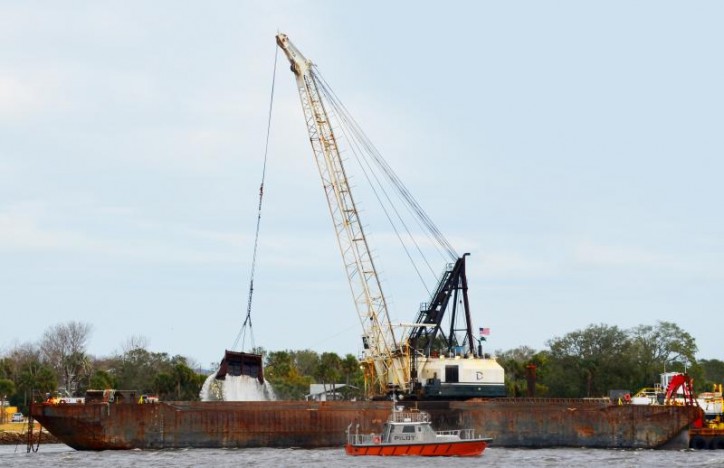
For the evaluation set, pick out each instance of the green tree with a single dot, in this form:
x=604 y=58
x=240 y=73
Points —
x=101 y=380
x=330 y=370
x=6 y=368
x=353 y=377
x=307 y=361
x=713 y=372
x=282 y=373
x=515 y=362
x=137 y=369
x=7 y=388
x=278 y=364
x=13 y=364
x=35 y=378
x=589 y=362
x=179 y=382
x=660 y=348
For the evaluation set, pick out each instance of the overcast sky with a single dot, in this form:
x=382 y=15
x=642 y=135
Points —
x=573 y=148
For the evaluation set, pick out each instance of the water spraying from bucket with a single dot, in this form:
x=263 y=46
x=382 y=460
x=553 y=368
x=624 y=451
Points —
x=236 y=388
x=240 y=377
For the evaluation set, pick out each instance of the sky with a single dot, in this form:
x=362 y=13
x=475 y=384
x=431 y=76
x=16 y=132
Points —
x=574 y=149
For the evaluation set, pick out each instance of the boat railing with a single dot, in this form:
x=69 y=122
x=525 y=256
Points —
x=355 y=438
x=647 y=391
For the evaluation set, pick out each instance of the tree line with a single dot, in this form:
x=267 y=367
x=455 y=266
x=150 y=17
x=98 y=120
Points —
x=592 y=361
x=59 y=363
x=582 y=363
x=292 y=372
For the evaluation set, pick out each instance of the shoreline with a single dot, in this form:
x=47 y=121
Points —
x=21 y=437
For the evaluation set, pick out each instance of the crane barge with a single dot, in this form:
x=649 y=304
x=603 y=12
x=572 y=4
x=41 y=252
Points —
x=423 y=364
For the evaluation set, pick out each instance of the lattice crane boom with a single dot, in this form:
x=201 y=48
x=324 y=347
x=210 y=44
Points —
x=382 y=351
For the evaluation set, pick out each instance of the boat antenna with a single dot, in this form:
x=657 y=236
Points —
x=247 y=320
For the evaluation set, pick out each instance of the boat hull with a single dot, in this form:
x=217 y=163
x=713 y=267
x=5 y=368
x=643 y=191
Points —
x=466 y=448
x=511 y=422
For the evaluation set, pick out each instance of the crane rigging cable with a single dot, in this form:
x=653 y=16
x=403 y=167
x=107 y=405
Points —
x=247 y=320
x=357 y=132
x=357 y=138
x=368 y=155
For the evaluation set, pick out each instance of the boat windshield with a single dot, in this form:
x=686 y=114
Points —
x=409 y=416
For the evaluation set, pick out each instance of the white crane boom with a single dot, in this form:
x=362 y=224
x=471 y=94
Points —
x=384 y=365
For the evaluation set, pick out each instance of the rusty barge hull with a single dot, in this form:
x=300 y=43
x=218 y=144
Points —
x=534 y=423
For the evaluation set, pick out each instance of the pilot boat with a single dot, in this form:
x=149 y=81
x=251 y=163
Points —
x=409 y=432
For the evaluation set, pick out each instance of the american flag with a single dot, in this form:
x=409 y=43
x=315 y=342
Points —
x=484 y=331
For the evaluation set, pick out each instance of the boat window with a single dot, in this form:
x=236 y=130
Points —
x=408 y=429
x=451 y=374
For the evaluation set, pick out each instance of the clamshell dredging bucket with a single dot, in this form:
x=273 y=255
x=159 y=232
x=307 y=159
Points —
x=237 y=363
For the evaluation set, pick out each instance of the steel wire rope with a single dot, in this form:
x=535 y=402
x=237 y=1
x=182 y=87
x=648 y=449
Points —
x=352 y=135
x=378 y=159
x=362 y=160
x=394 y=179
x=419 y=214
x=412 y=203
x=247 y=320
x=361 y=156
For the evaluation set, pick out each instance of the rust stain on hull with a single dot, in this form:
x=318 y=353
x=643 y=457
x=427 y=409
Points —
x=510 y=422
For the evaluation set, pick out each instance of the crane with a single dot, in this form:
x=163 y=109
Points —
x=381 y=347
x=415 y=366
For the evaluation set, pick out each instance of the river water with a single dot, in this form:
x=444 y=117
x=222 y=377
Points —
x=57 y=455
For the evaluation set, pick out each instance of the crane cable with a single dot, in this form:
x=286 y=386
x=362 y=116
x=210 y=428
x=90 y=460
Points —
x=247 y=319
x=394 y=180
x=367 y=155
x=354 y=141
